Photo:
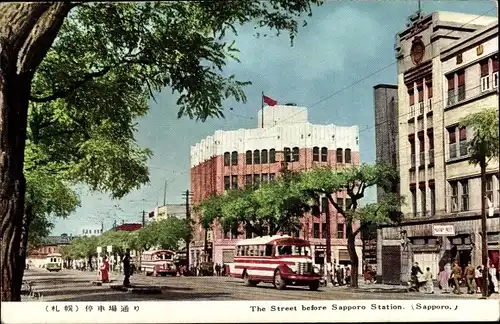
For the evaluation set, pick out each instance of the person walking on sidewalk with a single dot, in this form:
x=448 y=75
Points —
x=415 y=271
x=457 y=275
x=492 y=271
x=126 y=268
x=478 y=276
x=443 y=278
x=470 y=273
x=429 y=284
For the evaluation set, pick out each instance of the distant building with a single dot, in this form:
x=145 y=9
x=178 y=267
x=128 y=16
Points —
x=447 y=69
x=248 y=157
x=162 y=212
x=127 y=227
x=91 y=231
x=53 y=244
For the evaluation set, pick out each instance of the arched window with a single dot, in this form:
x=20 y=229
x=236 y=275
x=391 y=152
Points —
x=340 y=156
x=227 y=158
x=272 y=156
x=256 y=157
x=234 y=158
x=288 y=154
x=324 y=154
x=263 y=156
x=347 y=156
x=295 y=154
x=316 y=154
x=249 y=157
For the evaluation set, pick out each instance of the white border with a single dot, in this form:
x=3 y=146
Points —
x=241 y=311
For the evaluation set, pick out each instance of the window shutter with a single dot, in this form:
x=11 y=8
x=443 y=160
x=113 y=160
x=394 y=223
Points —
x=463 y=134
x=452 y=135
x=461 y=78
x=451 y=82
x=429 y=90
x=484 y=68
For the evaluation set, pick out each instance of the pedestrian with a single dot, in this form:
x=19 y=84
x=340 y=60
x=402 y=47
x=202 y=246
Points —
x=217 y=269
x=457 y=275
x=367 y=275
x=444 y=277
x=492 y=271
x=339 y=275
x=478 y=276
x=126 y=268
x=429 y=284
x=470 y=273
x=348 y=275
x=415 y=272
x=105 y=270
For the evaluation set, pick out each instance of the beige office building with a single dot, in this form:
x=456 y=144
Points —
x=447 y=69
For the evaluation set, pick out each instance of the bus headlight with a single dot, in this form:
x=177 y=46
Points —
x=316 y=270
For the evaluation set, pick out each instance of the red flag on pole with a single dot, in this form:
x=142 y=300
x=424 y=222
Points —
x=269 y=101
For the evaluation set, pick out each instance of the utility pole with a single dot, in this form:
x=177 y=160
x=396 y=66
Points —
x=143 y=218
x=188 y=218
x=165 y=194
x=102 y=226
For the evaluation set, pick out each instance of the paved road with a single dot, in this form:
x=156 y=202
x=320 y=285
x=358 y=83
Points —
x=71 y=285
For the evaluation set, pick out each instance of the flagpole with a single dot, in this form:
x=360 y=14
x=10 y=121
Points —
x=262 y=108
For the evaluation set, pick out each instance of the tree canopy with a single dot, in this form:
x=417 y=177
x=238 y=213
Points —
x=483 y=146
x=166 y=234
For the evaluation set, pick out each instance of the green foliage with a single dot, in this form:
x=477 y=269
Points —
x=81 y=248
x=484 y=143
x=274 y=207
x=355 y=181
x=168 y=233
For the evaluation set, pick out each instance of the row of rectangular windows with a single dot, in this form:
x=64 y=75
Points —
x=488 y=79
x=291 y=155
x=231 y=182
x=458 y=200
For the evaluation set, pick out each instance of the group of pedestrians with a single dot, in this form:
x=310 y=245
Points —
x=452 y=276
x=338 y=275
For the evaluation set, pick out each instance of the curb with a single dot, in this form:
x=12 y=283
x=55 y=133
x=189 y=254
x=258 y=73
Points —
x=137 y=289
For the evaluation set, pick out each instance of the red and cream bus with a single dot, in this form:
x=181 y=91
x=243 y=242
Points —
x=158 y=262
x=280 y=259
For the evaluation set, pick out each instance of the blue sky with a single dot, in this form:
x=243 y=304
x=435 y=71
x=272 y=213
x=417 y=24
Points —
x=330 y=69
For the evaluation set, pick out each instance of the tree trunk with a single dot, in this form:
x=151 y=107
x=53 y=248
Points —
x=27 y=31
x=205 y=245
x=23 y=251
x=328 y=234
x=484 y=244
x=351 y=248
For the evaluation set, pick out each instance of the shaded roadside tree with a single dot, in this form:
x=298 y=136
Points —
x=354 y=182
x=157 y=44
x=208 y=211
x=482 y=148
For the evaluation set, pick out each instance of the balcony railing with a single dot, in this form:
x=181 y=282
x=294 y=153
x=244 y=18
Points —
x=412 y=111
x=421 y=158
x=421 y=108
x=413 y=178
x=431 y=156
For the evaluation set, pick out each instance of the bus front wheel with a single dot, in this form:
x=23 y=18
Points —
x=314 y=285
x=279 y=283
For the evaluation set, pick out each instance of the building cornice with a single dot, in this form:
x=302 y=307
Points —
x=466 y=43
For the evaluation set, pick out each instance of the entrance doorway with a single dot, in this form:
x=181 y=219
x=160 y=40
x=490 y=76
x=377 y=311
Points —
x=463 y=257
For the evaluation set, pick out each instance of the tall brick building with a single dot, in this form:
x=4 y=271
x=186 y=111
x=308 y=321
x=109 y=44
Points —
x=238 y=158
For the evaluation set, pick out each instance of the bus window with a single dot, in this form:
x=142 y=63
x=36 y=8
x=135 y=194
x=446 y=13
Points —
x=269 y=250
x=251 y=250
x=261 y=250
x=285 y=250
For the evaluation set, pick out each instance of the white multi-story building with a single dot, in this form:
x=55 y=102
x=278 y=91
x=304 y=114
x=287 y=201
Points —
x=447 y=69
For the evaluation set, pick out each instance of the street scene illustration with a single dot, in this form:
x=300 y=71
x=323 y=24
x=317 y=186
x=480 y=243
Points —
x=249 y=150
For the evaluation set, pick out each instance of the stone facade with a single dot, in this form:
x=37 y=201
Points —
x=439 y=184
x=220 y=162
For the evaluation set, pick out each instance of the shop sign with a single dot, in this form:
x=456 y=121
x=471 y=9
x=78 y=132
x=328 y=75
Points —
x=443 y=230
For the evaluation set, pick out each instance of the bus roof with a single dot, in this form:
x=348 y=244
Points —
x=273 y=239
x=158 y=251
x=54 y=255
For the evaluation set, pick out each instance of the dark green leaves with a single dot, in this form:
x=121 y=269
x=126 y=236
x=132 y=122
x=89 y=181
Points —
x=484 y=144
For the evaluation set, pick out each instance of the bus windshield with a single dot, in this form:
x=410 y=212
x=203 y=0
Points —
x=293 y=250
x=163 y=256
